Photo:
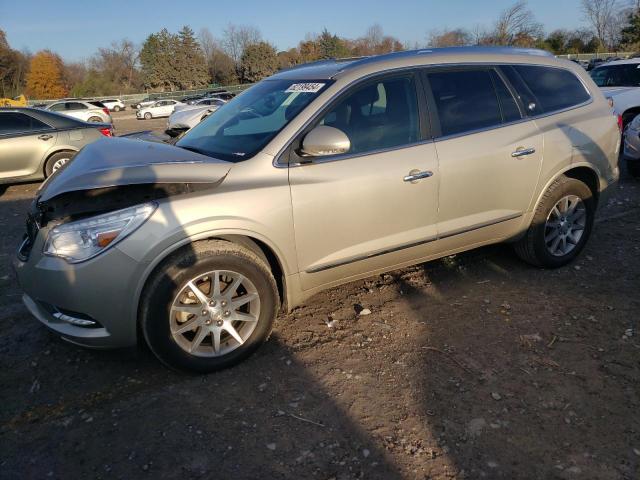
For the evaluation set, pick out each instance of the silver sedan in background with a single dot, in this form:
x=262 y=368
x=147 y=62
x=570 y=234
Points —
x=35 y=143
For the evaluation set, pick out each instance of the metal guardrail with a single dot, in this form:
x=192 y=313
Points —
x=589 y=56
x=136 y=97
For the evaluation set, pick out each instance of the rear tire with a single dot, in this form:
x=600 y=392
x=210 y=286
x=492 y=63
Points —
x=116 y=108
x=169 y=297
x=56 y=162
x=95 y=120
x=540 y=245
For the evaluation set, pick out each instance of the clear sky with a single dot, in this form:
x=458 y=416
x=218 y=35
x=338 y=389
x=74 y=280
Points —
x=76 y=28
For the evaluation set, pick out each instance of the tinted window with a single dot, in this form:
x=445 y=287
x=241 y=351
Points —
x=57 y=107
x=75 y=106
x=617 y=75
x=98 y=104
x=553 y=88
x=378 y=115
x=12 y=122
x=508 y=105
x=466 y=100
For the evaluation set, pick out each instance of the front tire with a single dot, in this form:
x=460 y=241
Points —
x=209 y=306
x=148 y=116
x=561 y=225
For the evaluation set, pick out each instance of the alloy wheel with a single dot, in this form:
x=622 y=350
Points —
x=565 y=225
x=214 y=313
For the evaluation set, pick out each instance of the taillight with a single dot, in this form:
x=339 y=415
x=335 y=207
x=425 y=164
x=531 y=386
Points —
x=107 y=132
x=620 y=123
x=106 y=110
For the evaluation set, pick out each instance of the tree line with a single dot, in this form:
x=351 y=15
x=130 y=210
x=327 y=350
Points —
x=168 y=61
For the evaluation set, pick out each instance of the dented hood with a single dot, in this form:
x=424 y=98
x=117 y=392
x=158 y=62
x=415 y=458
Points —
x=111 y=162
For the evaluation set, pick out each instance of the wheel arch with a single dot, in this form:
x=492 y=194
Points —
x=55 y=151
x=630 y=111
x=584 y=172
x=259 y=246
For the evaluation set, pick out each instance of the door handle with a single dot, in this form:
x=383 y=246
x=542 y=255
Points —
x=46 y=136
x=415 y=175
x=522 y=152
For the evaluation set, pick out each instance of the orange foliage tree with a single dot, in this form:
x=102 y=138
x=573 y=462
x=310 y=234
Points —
x=45 y=78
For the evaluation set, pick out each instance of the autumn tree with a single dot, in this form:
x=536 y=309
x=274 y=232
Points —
x=449 y=38
x=374 y=42
x=257 y=62
x=45 y=79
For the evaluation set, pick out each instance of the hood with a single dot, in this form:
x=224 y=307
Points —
x=112 y=162
x=613 y=91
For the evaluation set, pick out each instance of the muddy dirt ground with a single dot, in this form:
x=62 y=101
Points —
x=474 y=366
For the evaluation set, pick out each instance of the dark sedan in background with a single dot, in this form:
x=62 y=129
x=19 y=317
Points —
x=35 y=143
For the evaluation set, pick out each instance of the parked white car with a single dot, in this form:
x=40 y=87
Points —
x=632 y=146
x=185 y=117
x=620 y=81
x=86 y=110
x=161 y=108
x=114 y=104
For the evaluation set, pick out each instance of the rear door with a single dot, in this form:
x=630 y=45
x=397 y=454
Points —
x=24 y=144
x=490 y=154
x=358 y=212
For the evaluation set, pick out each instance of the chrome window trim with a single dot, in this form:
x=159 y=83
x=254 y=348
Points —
x=276 y=159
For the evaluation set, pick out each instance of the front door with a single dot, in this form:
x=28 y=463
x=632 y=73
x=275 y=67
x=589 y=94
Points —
x=361 y=211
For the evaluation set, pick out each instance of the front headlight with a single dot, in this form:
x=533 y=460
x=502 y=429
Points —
x=83 y=239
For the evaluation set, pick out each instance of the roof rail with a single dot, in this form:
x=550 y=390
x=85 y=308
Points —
x=475 y=50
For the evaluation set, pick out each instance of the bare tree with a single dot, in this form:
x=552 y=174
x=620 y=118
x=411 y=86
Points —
x=516 y=25
x=236 y=38
x=602 y=15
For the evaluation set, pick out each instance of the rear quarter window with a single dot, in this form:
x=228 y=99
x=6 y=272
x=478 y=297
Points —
x=553 y=88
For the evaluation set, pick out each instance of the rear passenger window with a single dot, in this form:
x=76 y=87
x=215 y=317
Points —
x=75 y=106
x=465 y=100
x=553 y=88
x=378 y=115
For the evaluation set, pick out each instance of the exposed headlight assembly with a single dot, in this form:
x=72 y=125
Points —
x=84 y=239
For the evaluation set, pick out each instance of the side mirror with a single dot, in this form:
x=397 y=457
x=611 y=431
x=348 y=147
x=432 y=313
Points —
x=324 y=140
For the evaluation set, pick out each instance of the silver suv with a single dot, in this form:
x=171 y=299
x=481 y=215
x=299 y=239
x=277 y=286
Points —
x=86 y=110
x=317 y=176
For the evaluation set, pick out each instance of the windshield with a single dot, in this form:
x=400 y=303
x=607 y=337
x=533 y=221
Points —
x=241 y=128
x=617 y=75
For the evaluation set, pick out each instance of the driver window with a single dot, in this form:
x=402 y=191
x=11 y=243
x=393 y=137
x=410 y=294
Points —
x=378 y=115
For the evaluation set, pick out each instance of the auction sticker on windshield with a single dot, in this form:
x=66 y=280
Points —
x=305 y=88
